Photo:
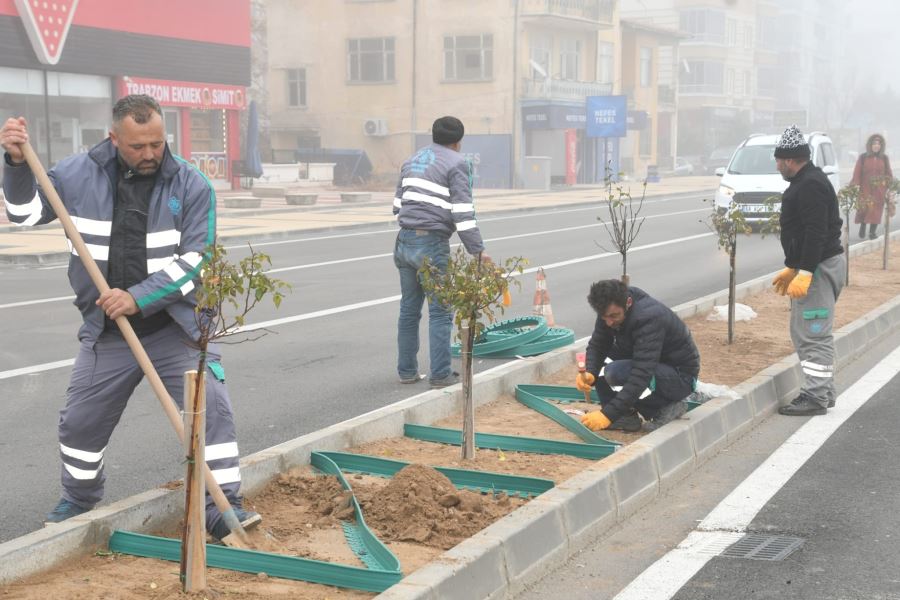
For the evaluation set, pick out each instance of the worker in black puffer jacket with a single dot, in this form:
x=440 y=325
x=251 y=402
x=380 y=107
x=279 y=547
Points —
x=653 y=358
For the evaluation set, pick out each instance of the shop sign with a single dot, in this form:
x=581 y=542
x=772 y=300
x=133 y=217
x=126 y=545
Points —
x=606 y=116
x=47 y=25
x=212 y=164
x=553 y=116
x=191 y=95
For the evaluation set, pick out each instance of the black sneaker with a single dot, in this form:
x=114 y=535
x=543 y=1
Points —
x=831 y=403
x=451 y=379
x=248 y=519
x=667 y=414
x=802 y=406
x=64 y=510
x=629 y=423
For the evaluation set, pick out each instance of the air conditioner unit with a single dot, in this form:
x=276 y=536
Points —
x=375 y=127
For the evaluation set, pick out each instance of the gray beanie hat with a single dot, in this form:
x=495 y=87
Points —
x=791 y=144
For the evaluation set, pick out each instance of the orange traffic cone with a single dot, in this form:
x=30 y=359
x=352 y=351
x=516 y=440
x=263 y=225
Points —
x=542 y=298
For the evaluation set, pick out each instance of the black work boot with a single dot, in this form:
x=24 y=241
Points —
x=629 y=423
x=862 y=231
x=803 y=406
x=667 y=414
x=873 y=232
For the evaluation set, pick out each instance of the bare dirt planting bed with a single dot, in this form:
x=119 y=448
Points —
x=418 y=514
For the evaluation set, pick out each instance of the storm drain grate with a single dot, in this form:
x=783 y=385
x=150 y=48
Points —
x=757 y=546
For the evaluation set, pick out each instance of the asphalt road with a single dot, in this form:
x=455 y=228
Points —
x=842 y=502
x=329 y=351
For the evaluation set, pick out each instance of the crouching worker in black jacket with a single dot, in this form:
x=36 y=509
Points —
x=654 y=361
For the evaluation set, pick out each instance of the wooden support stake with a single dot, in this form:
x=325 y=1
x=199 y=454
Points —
x=467 y=332
x=193 y=542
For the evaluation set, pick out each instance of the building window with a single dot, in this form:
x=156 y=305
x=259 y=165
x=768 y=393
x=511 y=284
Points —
x=645 y=140
x=296 y=87
x=469 y=57
x=731 y=32
x=569 y=59
x=729 y=81
x=370 y=60
x=606 y=63
x=748 y=37
x=705 y=25
x=701 y=77
x=539 y=52
x=767 y=81
x=748 y=83
x=646 y=66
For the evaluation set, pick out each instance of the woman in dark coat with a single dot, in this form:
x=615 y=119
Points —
x=872 y=169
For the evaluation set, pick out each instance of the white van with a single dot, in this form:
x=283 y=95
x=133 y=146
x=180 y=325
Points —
x=751 y=177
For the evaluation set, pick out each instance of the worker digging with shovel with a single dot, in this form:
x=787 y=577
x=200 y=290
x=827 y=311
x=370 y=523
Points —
x=146 y=218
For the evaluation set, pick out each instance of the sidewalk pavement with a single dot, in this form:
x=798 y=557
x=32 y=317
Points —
x=275 y=219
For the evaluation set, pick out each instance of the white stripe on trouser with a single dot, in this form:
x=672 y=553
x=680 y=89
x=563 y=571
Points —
x=84 y=455
x=223 y=476
x=816 y=370
x=220 y=451
x=618 y=388
x=82 y=474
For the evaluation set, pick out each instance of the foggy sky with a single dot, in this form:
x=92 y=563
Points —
x=872 y=44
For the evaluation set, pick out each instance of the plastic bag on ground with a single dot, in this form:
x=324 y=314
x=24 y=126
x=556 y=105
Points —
x=742 y=312
x=708 y=391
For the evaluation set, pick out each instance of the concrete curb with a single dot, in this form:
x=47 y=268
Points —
x=517 y=550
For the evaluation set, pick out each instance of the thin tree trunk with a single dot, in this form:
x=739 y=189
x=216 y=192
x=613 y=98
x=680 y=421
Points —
x=468 y=340
x=887 y=233
x=847 y=247
x=732 y=276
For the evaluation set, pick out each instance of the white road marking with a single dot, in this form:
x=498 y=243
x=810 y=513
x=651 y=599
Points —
x=731 y=517
x=328 y=263
x=366 y=304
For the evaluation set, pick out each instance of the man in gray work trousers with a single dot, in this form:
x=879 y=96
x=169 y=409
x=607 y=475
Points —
x=815 y=270
x=147 y=218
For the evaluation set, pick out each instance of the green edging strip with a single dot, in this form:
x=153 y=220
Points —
x=383 y=567
x=367 y=547
x=251 y=561
x=482 y=481
x=556 y=337
x=521 y=330
x=510 y=443
x=533 y=396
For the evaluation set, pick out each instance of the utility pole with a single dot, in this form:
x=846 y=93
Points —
x=514 y=130
x=412 y=112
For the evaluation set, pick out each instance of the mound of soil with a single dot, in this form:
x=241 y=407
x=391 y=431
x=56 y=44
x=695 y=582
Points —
x=421 y=505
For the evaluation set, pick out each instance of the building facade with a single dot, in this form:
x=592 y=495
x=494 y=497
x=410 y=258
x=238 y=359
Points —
x=64 y=63
x=374 y=74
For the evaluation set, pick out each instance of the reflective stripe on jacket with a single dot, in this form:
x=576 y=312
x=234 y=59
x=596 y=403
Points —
x=181 y=225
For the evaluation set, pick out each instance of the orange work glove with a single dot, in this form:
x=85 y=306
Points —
x=596 y=420
x=800 y=285
x=584 y=381
x=783 y=279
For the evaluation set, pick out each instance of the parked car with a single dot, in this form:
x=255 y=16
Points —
x=718 y=158
x=682 y=167
x=753 y=182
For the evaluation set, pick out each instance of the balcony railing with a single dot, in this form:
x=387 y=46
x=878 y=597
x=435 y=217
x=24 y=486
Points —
x=597 y=11
x=564 y=90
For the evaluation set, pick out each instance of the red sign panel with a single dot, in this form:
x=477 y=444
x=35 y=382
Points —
x=181 y=93
x=571 y=156
x=47 y=25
